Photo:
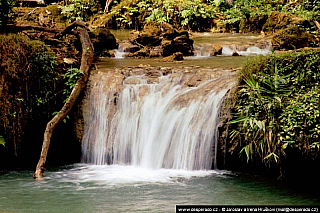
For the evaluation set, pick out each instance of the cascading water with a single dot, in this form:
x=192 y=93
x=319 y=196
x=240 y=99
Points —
x=164 y=124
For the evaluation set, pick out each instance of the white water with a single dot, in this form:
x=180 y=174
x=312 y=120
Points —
x=120 y=52
x=120 y=175
x=253 y=50
x=154 y=127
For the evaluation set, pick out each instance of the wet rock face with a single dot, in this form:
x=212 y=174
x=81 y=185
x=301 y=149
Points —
x=161 y=40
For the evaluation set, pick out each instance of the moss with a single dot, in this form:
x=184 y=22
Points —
x=139 y=54
x=293 y=38
x=27 y=85
x=103 y=20
x=56 y=14
x=102 y=39
x=277 y=21
x=253 y=24
x=30 y=15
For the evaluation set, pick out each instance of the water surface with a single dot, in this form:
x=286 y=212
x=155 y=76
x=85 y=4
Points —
x=119 y=188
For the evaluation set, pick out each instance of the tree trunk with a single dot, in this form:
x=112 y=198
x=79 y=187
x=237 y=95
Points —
x=86 y=61
x=317 y=25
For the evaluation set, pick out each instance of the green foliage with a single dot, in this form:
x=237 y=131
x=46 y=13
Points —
x=71 y=77
x=278 y=107
x=78 y=9
x=27 y=84
x=243 y=9
x=2 y=141
x=189 y=14
x=5 y=10
x=204 y=15
x=300 y=122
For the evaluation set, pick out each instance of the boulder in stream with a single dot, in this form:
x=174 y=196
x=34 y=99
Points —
x=161 y=40
x=216 y=50
x=102 y=40
x=293 y=37
x=234 y=53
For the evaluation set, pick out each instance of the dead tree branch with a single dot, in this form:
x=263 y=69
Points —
x=86 y=61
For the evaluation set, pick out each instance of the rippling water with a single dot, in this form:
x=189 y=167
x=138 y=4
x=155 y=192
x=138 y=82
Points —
x=119 y=188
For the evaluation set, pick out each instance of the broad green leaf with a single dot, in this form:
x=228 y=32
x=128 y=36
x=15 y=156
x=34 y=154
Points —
x=2 y=141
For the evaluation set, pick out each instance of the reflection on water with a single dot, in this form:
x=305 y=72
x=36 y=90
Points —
x=213 y=62
x=119 y=188
x=218 y=38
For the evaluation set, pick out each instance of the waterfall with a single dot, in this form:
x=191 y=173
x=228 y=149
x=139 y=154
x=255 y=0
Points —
x=160 y=124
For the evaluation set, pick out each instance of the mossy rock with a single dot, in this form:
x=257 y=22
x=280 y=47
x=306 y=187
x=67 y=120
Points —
x=139 y=54
x=30 y=15
x=278 y=21
x=253 y=24
x=184 y=45
x=102 y=39
x=293 y=38
x=148 y=39
x=178 y=56
x=102 y=21
x=167 y=47
x=149 y=36
x=164 y=38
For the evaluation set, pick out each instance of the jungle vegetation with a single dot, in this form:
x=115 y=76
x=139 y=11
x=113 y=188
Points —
x=278 y=108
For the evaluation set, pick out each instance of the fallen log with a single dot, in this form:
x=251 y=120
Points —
x=86 y=61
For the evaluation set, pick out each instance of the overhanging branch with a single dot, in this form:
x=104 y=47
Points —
x=86 y=61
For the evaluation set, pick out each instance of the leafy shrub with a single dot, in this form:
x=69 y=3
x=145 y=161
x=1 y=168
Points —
x=71 y=77
x=79 y=9
x=189 y=14
x=27 y=87
x=278 y=107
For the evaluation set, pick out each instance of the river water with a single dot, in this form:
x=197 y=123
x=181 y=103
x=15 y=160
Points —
x=119 y=188
x=125 y=186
